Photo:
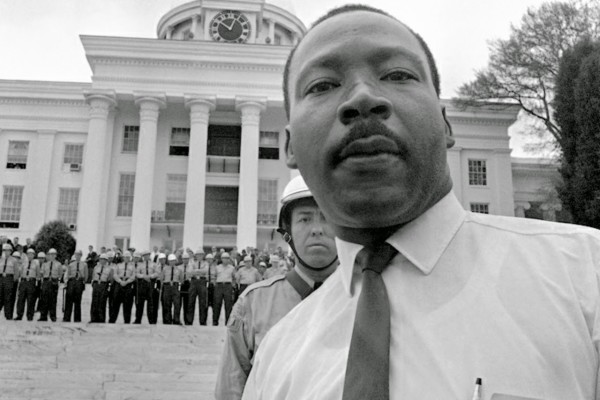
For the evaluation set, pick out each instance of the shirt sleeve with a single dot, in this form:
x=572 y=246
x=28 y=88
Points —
x=235 y=364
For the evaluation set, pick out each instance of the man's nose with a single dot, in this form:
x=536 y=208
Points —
x=364 y=102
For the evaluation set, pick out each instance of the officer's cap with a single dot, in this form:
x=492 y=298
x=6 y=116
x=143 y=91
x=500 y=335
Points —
x=162 y=255
x=103 y=256
x=145 y=253
x=16 y=254
x=137 y=254
x=127 y=254
x=73 y=258
x=210 y=257
x=199 y=251
x=6 y=246
x=30 y=250
x=52 y=251
x=110 y=254
x=185 y=255
x=41 y=254
x=262 y=264
x=247 y=258
x=78 y=252
x=172 y=257
x=225 y=255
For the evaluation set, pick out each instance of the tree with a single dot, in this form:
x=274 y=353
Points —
x=578 y=116
x=523 y=68
x=55 y=235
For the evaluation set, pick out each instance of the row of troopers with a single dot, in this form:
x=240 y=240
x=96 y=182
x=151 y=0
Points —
x=36 y=282
x=137 y=280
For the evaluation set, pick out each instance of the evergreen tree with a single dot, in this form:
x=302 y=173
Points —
x=55 y=235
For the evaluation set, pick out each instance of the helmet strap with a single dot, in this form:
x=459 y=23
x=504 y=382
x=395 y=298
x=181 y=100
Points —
x=288 y=238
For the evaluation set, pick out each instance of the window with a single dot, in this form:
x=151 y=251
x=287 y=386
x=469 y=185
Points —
x=68 y=200
x=268 y=146
x=277 y=39
x=17 y=154
x=122 y=243
x=221 y=205
x=176 y=190
x=482 y=208
x=224 y=140
x=180 y=142
x=10 y=214
x=477 y=173
x=267 y=202
x=73 y=154
x=126 y=188
x=131 y=137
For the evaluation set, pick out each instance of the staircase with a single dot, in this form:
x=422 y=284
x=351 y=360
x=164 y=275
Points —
x=46 y=360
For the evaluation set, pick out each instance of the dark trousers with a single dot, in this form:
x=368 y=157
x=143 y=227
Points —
x=6 y=290
x=99 y=298
x=144 y=295
x=171 y=304
x=38 y=296
x=13 y=297
x=155 y=301
x=122 y=295
x=241 y=289
x=27 y=289
x=223 y=294
x=48 y=299
x=75 y=288
x=184 y=294
x=198 y=290
x=111 y=297
x=90 y=273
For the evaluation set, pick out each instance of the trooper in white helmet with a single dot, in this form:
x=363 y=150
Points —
x=264 y=303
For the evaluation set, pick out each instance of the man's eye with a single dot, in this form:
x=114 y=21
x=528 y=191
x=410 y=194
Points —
x=320 y=87
x=399 y=76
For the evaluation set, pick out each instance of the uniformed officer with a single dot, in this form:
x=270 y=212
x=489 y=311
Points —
x=17 y=255
x=30 y=275
x=156 y=293
x=100 y=281
x=9 y=266
x=187 y=272
x=199 y=289
x=212 y=278
x=41 y=258
x=146 y=278
x=275 y=269
x=52 y=270
x=171 y=278
x=76 y=276
x=112 y=263
x=247 y=274
x=123 y=277
x=223 y=288
x=263 y=304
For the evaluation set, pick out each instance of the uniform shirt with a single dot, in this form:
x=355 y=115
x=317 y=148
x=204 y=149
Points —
x=77 y=270
x=30 y=269
x=248 y=276
x=515 y=302
x=187 y=270
x=172 y=273
x=146 y=268
x=225 y=273
x=52 y=269
x=102 y=273
x=202 y=270
x=125 y=271
x=158 y=269
x=258 y=308
x=273 y=271
x=9 y=265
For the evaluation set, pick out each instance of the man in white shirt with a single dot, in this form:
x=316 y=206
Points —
x=513 y=302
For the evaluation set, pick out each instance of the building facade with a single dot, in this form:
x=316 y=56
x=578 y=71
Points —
x=179 y=140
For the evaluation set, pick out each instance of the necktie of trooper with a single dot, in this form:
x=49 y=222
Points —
x=368 y=366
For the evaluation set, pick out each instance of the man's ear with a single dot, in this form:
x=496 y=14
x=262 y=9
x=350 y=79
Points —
x=449 y=137
x=290 y=158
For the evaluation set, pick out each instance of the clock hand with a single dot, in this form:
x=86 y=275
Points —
x=230 y=27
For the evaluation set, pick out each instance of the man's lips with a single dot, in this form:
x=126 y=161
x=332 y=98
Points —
x=368 y=147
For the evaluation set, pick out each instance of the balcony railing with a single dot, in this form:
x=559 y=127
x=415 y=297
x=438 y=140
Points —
x=222 y=164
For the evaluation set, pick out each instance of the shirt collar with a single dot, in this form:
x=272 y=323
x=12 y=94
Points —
x=305 y=277
x=421 y=241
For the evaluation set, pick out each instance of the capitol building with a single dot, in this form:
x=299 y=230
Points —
x=178 y=140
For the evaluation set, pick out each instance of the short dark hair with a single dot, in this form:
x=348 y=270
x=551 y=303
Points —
x=435 y=76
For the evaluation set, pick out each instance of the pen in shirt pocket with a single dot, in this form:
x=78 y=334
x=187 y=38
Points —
x=477 y=390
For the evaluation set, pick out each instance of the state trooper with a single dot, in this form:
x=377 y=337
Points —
x=264 y=303
x=156 y=293
x=41 y=258
x=198 y=289
x=112 y=264
x=123 y=278
x=100 y=280
x=30 y=275
x=10 y=273
x=247 y=274
x=52 y=271
x=223 y=288
x=187 y=272
x=171 y=278
x=145 y=279
x=275 y=269
x=76 y=276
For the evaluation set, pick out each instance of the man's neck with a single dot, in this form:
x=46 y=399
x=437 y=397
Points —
x=317 y=276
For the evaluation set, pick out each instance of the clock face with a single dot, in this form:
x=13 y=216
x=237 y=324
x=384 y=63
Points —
x=230 y=26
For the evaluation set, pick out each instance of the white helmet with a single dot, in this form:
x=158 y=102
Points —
x=296 y=189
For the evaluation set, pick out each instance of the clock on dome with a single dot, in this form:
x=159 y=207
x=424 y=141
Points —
x=230 y=26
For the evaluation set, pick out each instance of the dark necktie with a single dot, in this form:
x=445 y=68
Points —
x=172 y=272
x=368 y=369
x=147 y=268
x=317 y=285
x=50 y=274
x=184 y=269
x=5 y=263
x=28 y=267
x=125 y=271
x=77 y=272
x=100 y=273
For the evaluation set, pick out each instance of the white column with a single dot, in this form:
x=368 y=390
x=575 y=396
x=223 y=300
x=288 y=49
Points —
x=43 y=178
x=248 y=190
x=144 y=171
x=271 y=31
x=88 y=215
x=193 y=228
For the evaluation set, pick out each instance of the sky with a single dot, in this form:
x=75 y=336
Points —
x=39 y=39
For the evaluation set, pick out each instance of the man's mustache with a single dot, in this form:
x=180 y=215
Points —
x=367 y=128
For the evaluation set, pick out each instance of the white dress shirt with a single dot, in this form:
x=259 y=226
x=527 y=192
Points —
x=512 y=301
